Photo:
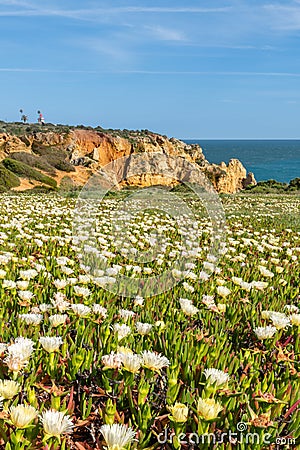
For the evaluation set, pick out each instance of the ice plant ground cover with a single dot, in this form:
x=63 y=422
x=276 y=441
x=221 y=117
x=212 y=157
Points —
x=82 y=368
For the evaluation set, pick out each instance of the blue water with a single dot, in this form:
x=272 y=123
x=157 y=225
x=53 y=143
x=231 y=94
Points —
x=267 y=159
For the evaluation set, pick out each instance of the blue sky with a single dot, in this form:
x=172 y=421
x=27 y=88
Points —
x=193 y=69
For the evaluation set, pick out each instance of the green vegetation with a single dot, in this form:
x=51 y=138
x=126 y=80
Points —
x=20 y=128
x=25 y=171
x=33 y=161
x=273 y=186
x=54 y=157
x=8 y=179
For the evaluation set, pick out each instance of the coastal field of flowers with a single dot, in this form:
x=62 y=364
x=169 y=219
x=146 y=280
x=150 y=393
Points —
x=212 y=363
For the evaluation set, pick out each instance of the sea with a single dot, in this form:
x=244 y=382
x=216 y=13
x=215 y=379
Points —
x=267 y=159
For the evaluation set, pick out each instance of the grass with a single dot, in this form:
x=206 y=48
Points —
x=8 y=179
x=25 y=171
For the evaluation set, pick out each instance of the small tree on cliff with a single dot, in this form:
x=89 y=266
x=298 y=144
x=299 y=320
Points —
x=24 y=118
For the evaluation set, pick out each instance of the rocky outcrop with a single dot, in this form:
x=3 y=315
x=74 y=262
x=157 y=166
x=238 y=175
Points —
x=90 y=150
x=249 y=180
x=98 y=147
x=10 y=144
x=233 y=177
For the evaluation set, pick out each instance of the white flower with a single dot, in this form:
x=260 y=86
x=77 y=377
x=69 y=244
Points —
x=98 y=309
x=265 y=272
x=59 y=302
x=176 y=273
x=131 y=362
x=8 y=284
x=208 y=300
x=187 y=287
x=56 y=423
x=187 y=307
x=31 y=319
x=121 y=330
x=57 y=319
x=154 y=361
x=2 y=273
x=208 y=408
x=45 y=307
x=3 y=347
x=126 y=314
x=143 y=328
x=50 y=344
x=60 y=284
x=9 y=388
x=216 y=376
x=138 y=301
x=264 y=332
x=38 y=242
x=22 y=415
x=203 y=276
x=66 y=270
x=22 y=285
x=82 y=291
x=179 y=412
x=81 y=310
x=223 y=291
x=295 y=319
x=117 y=436
x=28 y=274
x=292 y=309
x=15 y=363
x=63 y=260
x=259 y=285
x=280 y=321
x=25 y=295
x=22 y=347
x=112 y=361
x=266 y=314
x=209 y=266
x=84 y=279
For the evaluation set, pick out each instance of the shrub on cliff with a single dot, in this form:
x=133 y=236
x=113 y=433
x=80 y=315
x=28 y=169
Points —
x=267 y=187
x=37 y=162
x=294 y=184
x=25 y=171
x=55 y=157
x=8 y=179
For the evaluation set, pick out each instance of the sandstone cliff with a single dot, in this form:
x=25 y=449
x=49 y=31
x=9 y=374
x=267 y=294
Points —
x=87 y=150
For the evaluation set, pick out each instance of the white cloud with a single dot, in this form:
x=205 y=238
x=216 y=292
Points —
x=166 y=34
x=154 y=72
x=97 y=13
x=286 y=18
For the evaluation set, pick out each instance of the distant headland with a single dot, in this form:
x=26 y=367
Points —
x=48 y=156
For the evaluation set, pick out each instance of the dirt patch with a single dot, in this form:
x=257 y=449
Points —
x=26 y=184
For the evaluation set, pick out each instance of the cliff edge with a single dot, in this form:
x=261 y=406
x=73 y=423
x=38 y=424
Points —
x=62 y=153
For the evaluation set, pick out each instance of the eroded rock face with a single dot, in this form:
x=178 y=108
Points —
x=97 y=149
x=9 y=144
x=249 y=180
x=232 y=179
